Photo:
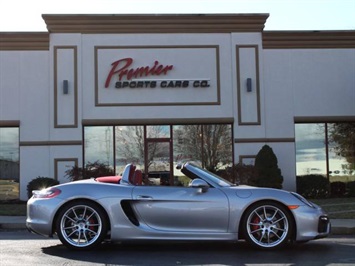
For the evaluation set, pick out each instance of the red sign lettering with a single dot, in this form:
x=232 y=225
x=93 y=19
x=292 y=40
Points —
x=121 y=69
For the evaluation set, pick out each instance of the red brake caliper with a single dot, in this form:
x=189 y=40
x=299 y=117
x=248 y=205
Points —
x=256 y=220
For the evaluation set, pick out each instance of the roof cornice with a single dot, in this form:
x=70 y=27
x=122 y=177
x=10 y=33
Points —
x=162 y=23
x=308 y=39
x=29 y=41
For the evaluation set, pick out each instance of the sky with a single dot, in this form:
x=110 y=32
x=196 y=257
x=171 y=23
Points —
x=25 y=15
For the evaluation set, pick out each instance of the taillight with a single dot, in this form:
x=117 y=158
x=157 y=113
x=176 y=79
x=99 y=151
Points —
x=46 y=193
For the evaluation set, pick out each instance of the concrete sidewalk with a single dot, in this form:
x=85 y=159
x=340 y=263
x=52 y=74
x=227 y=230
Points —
x=339 y=226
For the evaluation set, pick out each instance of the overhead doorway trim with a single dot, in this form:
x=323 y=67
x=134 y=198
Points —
x=155 y=121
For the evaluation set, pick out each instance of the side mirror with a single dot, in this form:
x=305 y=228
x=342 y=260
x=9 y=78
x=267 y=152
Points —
x=200 y=184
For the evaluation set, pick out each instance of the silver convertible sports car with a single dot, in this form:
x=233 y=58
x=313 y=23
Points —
x=199 y=207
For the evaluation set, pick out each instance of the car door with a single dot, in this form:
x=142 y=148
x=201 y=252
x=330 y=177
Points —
x=182 y=209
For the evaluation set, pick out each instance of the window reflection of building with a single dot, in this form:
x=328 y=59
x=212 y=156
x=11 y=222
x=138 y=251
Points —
x=9 y=163
x=149 y=146
x=326 y=149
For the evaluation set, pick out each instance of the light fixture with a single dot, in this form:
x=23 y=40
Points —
x=65 y=86
x=249 y=87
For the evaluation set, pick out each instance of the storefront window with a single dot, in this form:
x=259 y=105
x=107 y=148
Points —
x=187 y=144
x=158 y=132
x=326 y=149
x=217 y=147
x=310 y=149
x=129 y=147
x=159 y=148
x=9 y=163
x=210 y=146
x=99 y=145
x=341 y=143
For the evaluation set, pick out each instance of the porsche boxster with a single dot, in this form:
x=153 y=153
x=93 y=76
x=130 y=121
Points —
x=198 y=206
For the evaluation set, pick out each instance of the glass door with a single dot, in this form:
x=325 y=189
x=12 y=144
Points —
x=158 y=155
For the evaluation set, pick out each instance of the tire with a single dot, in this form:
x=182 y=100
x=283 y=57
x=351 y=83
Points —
x=267 y=225
x=81 y=225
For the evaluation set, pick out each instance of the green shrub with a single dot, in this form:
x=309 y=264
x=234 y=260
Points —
x=313 y=186
x=40 y=183
x=269 y=174
x=351 y=188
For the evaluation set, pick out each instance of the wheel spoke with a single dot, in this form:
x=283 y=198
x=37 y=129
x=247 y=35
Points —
x=69 y=218
x=91 y=231
x=281 y=218
x=84 y=212
x=86 y=239
x=92 y=214
x=260 y=217
x=72 y=232
x=69 y=227
x=265 y=213
x=273 y=216
x=74 y=212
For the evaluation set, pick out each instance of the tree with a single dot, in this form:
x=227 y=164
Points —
x=342 y=135
x=267 y=166
x=209 y=144
x=217 y=146
x=130 y=143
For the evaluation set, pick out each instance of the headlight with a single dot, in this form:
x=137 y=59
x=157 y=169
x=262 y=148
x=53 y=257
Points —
x=298 y=196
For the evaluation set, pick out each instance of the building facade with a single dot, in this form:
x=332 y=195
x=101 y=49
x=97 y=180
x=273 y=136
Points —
x=157 y=90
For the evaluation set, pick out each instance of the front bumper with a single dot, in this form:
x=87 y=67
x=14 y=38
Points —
x=311 y=223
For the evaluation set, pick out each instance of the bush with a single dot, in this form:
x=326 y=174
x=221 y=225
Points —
x=241 y=174
x=269 y=174
x=351 y=189
x=40 y=183
x=337 y=189
x=313 y=186
x=95 y=169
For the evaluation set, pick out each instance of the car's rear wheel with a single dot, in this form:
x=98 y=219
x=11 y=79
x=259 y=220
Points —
x=81 y=225
x=267 y=225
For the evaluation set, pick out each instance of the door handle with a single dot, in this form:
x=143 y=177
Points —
x=142 y=197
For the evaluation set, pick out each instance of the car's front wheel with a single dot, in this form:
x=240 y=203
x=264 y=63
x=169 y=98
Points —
x=267 y=225
x=81 y=225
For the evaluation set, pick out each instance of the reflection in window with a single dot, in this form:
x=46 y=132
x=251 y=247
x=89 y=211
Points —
x=154 y=132
x=99 y=145
x=217 y=147
x=326 y=149
x=187 y=143
x=129 y=147
x=341 y=142
x=310 y=149
x=159 y=163
x=209 y=146
x=9 y=163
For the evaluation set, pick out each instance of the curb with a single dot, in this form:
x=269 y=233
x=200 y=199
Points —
x=342 y=231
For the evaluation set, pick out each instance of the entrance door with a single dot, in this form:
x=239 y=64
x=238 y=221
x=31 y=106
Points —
x=158 y=155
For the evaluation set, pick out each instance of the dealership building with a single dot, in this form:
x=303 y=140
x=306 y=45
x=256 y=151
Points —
x=158 y=90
